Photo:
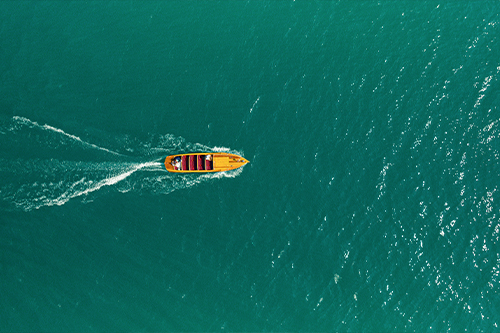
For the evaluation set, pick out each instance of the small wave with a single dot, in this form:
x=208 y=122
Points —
x=486 y=84
x=254 y=104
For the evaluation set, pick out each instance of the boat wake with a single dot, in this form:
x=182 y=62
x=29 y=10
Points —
x=45 y=166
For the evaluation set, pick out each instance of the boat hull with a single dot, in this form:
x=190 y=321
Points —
x=203 y=162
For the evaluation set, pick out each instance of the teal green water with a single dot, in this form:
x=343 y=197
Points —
x=370 y=203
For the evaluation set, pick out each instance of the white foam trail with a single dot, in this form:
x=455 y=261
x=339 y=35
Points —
x=36 y=183
x=76 y=190
x=220 y=149
x=28 y=122
x=66 y=181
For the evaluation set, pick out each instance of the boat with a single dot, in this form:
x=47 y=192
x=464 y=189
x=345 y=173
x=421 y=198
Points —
x=203 y=162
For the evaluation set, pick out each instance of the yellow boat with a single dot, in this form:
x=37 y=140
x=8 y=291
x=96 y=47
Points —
x=203 y=162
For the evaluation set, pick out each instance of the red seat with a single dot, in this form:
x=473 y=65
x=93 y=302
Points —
x=209 y=165
x=200 y=162
x=192 y=165
x=184 y=163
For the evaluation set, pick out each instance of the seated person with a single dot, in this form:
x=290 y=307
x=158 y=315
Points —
x=176 y=162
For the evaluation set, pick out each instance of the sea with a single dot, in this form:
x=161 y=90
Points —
x=371 y=202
